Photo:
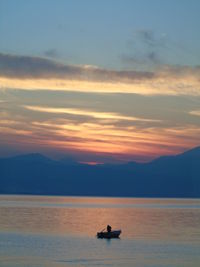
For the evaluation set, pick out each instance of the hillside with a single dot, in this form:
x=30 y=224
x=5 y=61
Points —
x=168 y=176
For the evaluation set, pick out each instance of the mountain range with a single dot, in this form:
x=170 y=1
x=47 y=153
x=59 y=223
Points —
x=167 y=176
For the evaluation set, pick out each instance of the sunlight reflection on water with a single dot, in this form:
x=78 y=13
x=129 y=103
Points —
x=35 y=230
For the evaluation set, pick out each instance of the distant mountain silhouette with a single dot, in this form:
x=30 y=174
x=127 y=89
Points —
x=167 y=176
x=33 y=157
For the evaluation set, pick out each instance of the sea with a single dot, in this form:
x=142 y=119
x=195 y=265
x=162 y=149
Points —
x=51 y=231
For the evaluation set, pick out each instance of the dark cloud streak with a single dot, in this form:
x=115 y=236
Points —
x=24 y=67
x=147 y=48
x=52 y=53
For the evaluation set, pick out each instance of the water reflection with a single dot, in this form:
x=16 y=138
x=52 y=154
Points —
x=138 y=218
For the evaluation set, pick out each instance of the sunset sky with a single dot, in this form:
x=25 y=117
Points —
x=99 y=81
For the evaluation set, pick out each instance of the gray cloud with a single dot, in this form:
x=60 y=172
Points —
x=141 y=59
x=52 y=53
x=149 y=38
x=153 y=57
x=165 y=79
x=33 y=67
x=146 y=47
x=24 y=67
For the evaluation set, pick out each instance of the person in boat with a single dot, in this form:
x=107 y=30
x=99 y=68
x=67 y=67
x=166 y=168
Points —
x=109 y=228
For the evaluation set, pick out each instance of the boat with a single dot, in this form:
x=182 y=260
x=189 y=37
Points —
x=112 y=234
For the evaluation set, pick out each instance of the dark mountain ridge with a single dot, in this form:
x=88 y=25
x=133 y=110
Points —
x=167 y=176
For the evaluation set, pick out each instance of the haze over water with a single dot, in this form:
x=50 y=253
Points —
x=60 y=231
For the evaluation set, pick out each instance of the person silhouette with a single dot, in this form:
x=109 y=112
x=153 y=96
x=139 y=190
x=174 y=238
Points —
x=109 y=228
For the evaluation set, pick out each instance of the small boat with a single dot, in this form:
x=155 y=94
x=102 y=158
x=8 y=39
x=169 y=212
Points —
x=112 y=234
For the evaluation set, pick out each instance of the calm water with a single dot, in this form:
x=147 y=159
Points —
x=60 y=231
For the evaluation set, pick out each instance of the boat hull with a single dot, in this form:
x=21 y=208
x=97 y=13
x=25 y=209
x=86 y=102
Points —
x=108 y=235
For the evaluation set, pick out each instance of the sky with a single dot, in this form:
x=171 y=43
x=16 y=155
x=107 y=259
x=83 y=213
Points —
x=99 y=81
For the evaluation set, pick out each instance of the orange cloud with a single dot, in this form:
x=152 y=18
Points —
x=90 y=113
x=125 y=141
x=195 y=112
